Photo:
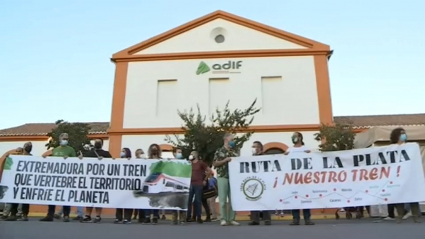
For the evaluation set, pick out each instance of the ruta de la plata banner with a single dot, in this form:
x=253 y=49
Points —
x=107 y=183
x=361 y=177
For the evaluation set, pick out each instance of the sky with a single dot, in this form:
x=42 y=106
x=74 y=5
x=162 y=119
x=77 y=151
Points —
x=56 y=54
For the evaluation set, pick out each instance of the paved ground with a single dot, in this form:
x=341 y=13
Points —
x=329 y=229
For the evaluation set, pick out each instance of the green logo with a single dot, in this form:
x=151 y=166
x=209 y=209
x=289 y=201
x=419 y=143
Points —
x=8 y=164
x=253 y=188
x=202 y=68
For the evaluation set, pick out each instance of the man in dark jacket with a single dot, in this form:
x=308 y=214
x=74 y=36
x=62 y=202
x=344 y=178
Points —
x=257 y=149
x=96 y=152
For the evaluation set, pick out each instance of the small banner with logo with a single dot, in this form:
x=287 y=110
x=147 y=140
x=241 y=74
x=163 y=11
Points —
x=372 y=176
x=107 y=183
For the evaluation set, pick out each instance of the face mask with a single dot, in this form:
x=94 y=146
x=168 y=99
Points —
x=295 y=140
x=28 y=148
x=191 y=157
x=98 y=145
x=403 y=137
x=142 y=156
x=122 y=155
x=254 y=150
x=232 y=144
x=64 y=142
x=179 y=156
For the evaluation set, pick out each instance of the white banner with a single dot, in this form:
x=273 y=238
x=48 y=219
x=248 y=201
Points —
x=361 y=177
x=107 y=183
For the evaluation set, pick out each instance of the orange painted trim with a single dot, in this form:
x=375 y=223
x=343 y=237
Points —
x=258 y=129
x=166 y=147
x=323 y=89
x=115 y=142
x=228 y=17
x=221 y=54
x=118 y=99
x=32 y=138
x=275 y=145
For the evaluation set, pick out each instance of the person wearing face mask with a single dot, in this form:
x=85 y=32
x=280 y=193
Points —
x=221 y=159
x=65 y=151
x=124 y=215
x=99 y=153
x=257 y=150
x=297 y=140
x=16 y=208
x=154 y=153
x=197 y=183
x=138 y=213
x=140 y=154
x=399 y=137
x=178 y=216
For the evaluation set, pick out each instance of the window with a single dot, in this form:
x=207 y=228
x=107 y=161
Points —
x=219 y=38
x=270 y=88
x=166 y=98
x=219 y=93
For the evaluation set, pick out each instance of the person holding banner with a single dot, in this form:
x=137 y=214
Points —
x=65 y=151
x=398 y=136
x=178 y=215
x=99 y=153
x=297 y=140
x=257 y=149
x=124 y=215
x=222 y=157
x=138 y=213
x=154 y=153
x=197 y=183
x=16 y=207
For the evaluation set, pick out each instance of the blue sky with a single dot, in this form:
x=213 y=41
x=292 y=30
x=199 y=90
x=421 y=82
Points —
x=55 y=54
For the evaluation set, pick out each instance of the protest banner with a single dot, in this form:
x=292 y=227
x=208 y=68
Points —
x=107 y=183
x=372 y=176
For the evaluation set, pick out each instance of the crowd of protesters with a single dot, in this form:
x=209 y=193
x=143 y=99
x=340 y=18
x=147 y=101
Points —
x=205 y=187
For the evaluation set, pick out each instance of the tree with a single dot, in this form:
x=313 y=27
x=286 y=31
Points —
x=207 y=137
x=336 y=137
x=77 y=133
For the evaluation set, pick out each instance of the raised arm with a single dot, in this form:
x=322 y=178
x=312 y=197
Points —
x=47 y=153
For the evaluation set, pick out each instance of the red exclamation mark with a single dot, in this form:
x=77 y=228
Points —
x=275 y=182
x=398 y=171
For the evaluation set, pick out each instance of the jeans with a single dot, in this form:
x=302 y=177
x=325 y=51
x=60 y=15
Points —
x=65 y=210
x=296 y=214
x=80 y=212
x=148 y=213
x=125 y=214
x=227 y=213
x=195 y=191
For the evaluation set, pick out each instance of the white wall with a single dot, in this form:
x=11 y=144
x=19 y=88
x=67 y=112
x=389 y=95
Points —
x=202 y=39
x=297 y=82
x=134 y=142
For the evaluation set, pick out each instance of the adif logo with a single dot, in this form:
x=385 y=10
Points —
x=202 y=68
x=229 y=67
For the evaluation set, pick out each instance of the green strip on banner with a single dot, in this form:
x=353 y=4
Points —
x=172 y=168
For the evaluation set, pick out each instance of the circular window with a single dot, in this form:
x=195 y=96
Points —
x=219 y=38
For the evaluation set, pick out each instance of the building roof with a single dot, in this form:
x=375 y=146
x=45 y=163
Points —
x=42 y=129
x=128 y=53
x=358 y=122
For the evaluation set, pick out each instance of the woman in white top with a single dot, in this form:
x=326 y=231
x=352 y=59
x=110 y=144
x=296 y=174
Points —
x=297 y=140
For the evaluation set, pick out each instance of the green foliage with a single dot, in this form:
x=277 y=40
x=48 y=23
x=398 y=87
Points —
x=207 y=137
x=77 y=133
x=336 y=137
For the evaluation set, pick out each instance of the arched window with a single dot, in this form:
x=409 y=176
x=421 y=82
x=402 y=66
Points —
x=274 y=151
